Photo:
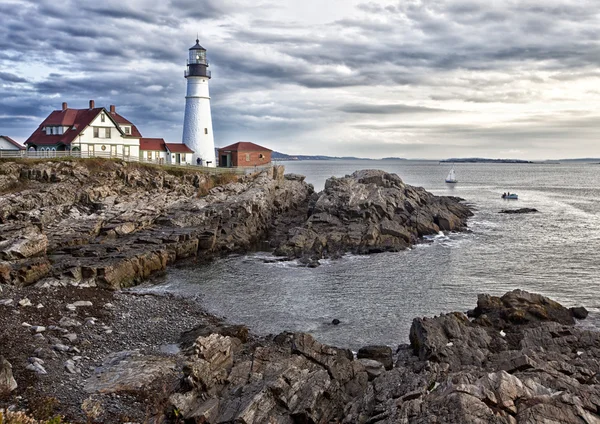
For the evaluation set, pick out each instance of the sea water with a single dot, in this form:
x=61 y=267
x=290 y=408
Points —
x=553 y=252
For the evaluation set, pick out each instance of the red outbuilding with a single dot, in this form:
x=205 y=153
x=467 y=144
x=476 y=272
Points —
x=242 y=154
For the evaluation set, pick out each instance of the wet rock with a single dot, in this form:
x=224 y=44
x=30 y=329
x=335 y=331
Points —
x=519 y=211
x=579 y=312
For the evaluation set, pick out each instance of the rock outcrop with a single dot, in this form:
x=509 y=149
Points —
x=519 y=211
x=112 y=224
x=371 y=211
x=539 y=368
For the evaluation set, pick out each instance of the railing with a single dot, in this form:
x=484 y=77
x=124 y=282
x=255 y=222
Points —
x=50 y=154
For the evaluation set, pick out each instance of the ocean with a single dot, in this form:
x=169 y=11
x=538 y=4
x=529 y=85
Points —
x=376 y=297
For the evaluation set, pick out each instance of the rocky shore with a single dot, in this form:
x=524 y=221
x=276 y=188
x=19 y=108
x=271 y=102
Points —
x=75 y=342
x=111 y=358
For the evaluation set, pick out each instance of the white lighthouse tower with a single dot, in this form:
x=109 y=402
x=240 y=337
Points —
x=197 y=122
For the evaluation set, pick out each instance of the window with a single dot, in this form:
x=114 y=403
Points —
x=261 y=156
x=127 y=130
x=156 y=155
x=96 y=132
x=126 y=150
x=183 y=157
x=247 y=157
x=107 y=132
x=205 y=130
x=149 y=155
x=102 y=117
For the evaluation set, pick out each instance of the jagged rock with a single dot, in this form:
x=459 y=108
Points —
x=37 y=368
x=521 y=307
x=21 y=241
x=115 y=227
x=373 y=368
x=382 y=354
x=7 y=381
x=128 y=372
x=371 y=211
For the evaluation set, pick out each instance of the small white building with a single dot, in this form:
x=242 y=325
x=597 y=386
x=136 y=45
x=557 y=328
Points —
x=93 y=131
x=7 y=143
x=156 y=150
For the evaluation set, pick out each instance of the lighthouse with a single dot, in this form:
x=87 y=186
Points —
x=197 y=122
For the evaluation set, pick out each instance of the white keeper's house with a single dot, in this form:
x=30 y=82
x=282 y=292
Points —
x=94 y=131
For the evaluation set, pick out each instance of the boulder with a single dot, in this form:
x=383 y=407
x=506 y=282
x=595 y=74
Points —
x=579 y=312
x=520 y=307
x=382 y=354
x=7 y=381
x=129 y=372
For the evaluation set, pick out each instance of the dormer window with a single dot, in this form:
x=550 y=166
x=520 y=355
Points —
x=102 y=117
x=127 y=130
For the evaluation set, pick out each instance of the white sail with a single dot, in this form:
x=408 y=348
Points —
x=451 y=178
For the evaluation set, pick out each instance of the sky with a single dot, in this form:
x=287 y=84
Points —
x=426 y=79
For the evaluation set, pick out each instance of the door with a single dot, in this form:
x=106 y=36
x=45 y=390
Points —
x=178 y=159
x=224 y=161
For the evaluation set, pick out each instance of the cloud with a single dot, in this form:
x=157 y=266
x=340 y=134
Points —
x=385 y=109
x=359 y=78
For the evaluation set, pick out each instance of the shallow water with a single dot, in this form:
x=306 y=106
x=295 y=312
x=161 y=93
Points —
x=375 y=297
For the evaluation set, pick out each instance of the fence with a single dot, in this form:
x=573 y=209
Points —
x=49 y=154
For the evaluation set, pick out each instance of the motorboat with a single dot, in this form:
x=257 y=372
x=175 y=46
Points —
x=510 y=196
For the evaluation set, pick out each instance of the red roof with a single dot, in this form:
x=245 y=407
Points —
x=154 y=144
x=77 y=120
x=178 y=148
x=245 y=146
x=122 y=121
x=13 y=142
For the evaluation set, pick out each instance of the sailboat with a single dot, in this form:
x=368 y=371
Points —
x=451 y=178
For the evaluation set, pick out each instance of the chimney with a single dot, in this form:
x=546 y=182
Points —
x=64 y=106
x=113 y=109
x=91 y=104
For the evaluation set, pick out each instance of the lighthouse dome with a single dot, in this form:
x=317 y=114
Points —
x=197 y=46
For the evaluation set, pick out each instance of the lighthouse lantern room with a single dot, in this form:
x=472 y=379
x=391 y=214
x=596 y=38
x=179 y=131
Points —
x=197 y=122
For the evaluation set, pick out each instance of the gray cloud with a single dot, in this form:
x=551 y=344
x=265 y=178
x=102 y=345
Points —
x=285 y=81
x=387 y=109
